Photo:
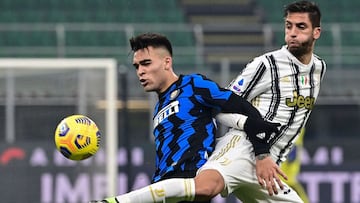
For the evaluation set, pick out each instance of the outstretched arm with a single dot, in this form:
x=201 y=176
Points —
x=267 y=171
x=259 y=131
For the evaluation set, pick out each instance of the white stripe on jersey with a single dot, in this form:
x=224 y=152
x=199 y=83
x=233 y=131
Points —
x=284 y=90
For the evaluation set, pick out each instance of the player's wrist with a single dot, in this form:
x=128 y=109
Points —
x=241 y=121
x=262 y=156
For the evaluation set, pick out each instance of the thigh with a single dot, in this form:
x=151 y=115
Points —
x=233 y=159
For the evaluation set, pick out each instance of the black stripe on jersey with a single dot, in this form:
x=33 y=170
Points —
x=284 y=128
x=311 y=94
x=173 y=144
x=275 y=89
x=258 y=75
x=322 y=66
x=322 y=69
x=311 y=80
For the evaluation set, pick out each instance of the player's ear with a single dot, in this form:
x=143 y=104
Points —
x=317 y=32
x=168 y=62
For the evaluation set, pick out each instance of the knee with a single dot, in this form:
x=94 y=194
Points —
x=208 y=184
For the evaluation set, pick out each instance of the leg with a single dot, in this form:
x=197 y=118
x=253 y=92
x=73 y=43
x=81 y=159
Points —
x=208 y=184
x=170 y=191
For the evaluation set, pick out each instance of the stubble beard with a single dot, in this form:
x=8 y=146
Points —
x=302 y=50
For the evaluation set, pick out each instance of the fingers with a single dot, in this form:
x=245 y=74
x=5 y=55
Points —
x=270 y=187
x=281 y=173
x=271 y=184
x=261 y=181
x=279 y=182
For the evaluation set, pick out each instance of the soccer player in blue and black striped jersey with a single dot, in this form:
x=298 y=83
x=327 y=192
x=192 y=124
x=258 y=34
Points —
x=184 y=125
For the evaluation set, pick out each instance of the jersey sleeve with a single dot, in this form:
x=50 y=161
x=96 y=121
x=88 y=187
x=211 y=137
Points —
x=254 y=79
x=209 y=92
x=232 y=120
x=223 y=100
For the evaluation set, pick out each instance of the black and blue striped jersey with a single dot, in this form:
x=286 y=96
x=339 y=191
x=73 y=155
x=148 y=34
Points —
x=184 y=127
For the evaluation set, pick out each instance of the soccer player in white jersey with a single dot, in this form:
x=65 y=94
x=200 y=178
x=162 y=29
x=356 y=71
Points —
x=283 y=85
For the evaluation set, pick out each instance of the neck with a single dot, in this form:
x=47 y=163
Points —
x=172 y=78
x=305 y=59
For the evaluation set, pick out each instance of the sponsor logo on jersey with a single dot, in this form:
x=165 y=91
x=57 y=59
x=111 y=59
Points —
x=300 y=101
x=165 y=112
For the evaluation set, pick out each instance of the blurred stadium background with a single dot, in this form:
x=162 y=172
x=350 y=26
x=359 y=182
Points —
x=213 y=37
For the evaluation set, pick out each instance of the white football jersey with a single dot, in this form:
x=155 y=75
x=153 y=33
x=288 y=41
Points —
x=284 y=90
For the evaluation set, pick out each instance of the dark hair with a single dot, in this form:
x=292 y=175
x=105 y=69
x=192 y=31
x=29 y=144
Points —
x=305 y=7
x=145 y=40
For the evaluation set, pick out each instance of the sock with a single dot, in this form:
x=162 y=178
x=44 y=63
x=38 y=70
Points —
x=169 y=191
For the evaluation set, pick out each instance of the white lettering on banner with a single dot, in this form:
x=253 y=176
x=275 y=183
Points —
x=337 y=180
x=60 y=188
x=99 y=186
x=39 y=157
x=71 y=193
x=46 y=188
x=355 y=189
x=323 y=156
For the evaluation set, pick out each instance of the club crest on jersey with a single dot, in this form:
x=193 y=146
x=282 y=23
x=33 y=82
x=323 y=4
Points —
x=300 y=101
x=165 y=112
x=174 y=94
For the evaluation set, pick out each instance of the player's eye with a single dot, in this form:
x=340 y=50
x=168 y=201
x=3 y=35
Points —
x=145 y=63
x=301 y=26
x=136 y=66
x=287 y=25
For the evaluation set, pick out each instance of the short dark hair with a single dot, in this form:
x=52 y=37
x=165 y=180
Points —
x=305 y=7
x=155 y=40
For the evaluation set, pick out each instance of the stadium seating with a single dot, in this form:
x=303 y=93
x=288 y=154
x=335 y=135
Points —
x=231 y=29
x=84 y=11
x=248 y=13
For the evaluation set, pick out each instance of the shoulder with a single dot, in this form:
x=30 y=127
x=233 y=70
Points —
x=319 y=59
x=267 y=58
x=196 y=77
x=319 y=63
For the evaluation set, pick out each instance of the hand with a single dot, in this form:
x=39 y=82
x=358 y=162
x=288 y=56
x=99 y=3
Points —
x=260 y=134
x=267 y=172
x=260 y=129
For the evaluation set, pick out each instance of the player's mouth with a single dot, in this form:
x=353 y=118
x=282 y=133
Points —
x=143 y=82
x=294 y=43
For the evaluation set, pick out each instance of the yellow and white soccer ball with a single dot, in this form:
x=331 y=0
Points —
x=77 y=137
